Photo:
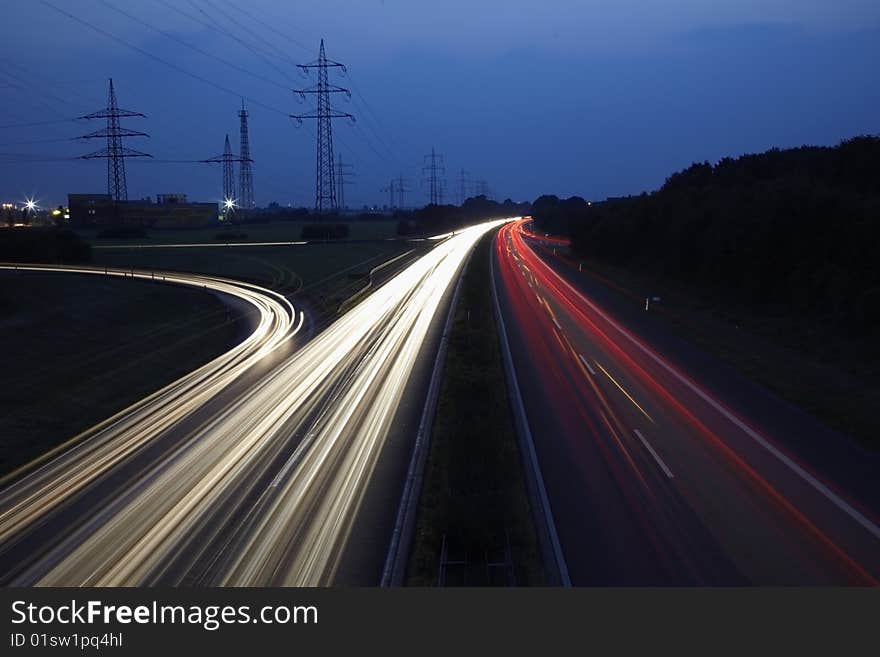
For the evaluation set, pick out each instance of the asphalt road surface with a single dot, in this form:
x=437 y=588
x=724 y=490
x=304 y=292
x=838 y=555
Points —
x=253 y=469
x=653 y=478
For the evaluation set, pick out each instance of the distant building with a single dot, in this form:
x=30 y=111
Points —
x=171 y=211
x=90 y=209
x=163 y=199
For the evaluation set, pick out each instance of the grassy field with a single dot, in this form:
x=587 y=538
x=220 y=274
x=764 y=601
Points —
x=830 y=377
x=86 y=346
x=79 y=348
x=474 y=492
x=284 y=268
x=279 y=231
x=324 y=273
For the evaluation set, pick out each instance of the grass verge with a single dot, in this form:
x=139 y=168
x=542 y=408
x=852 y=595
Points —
x=80 y=348
x=323 y=274
x=279 y=231
x=830 y=376
x=474 y=491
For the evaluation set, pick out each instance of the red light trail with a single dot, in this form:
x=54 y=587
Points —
x=679 y=457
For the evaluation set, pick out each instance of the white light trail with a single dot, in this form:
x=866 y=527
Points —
x=98 y=449
x=340 y=392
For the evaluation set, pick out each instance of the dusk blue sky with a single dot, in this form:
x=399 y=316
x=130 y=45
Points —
x=594 y=98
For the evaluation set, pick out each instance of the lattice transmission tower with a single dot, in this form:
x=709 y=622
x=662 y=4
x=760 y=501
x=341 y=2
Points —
x=246 y=199
x=391 y=188
x=228 y=159
x=435 y=171
x=344 y=176
x=396 y=189
x=114 y=152
x=463 y=183
x=481 y=188
x=326 y=200
x=402 y=189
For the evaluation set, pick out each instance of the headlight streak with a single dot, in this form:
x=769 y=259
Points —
x=239 y=499
x=98 y=449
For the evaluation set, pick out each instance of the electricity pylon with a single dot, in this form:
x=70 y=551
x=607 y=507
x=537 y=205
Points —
x=228 y=160
x=115 y=153
x=435 y=170
x=325 y=177
x=344 y=175
x=246 y=198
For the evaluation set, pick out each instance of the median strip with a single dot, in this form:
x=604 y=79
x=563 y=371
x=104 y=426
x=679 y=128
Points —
x=474 y=524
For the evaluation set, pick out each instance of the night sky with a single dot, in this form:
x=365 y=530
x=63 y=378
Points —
x=594 y=98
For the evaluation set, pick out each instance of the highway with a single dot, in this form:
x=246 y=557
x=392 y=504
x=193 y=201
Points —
x=652 y=477
x=252 y=470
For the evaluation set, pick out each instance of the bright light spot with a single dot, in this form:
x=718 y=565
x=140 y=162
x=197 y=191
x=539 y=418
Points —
x=31 y=205
x=229 y=204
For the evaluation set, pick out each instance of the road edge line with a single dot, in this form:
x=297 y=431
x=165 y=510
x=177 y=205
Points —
x=540 y=503
x=396 y=559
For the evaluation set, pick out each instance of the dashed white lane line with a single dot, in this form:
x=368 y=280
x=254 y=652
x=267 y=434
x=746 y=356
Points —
x=587 y=365
x=829 y=494
x=654 y=454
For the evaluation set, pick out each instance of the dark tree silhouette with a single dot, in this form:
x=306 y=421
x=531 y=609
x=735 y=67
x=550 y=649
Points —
x=796 y=231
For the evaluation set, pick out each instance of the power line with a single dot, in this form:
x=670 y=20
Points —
x=180 y=69
x=213 y=25
x=166 y=62
x=34 y=157
x=31 y=124
x=161 y=60
x=260 y=39
x=71 y=86
x=32 y=95
x=185 y=44
x=36 y=141
x=371 y=115
x=271 y=28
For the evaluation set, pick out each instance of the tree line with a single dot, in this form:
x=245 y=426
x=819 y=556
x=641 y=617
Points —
x=46 y=245
x=792 y=230
x=436 y=219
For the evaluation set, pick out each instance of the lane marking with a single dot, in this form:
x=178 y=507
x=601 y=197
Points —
x=524 y=433
x=628 y=396
x=654 y=454
x=829 y=494
x=292 y=459
x=555 y=322
x=587 y=365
